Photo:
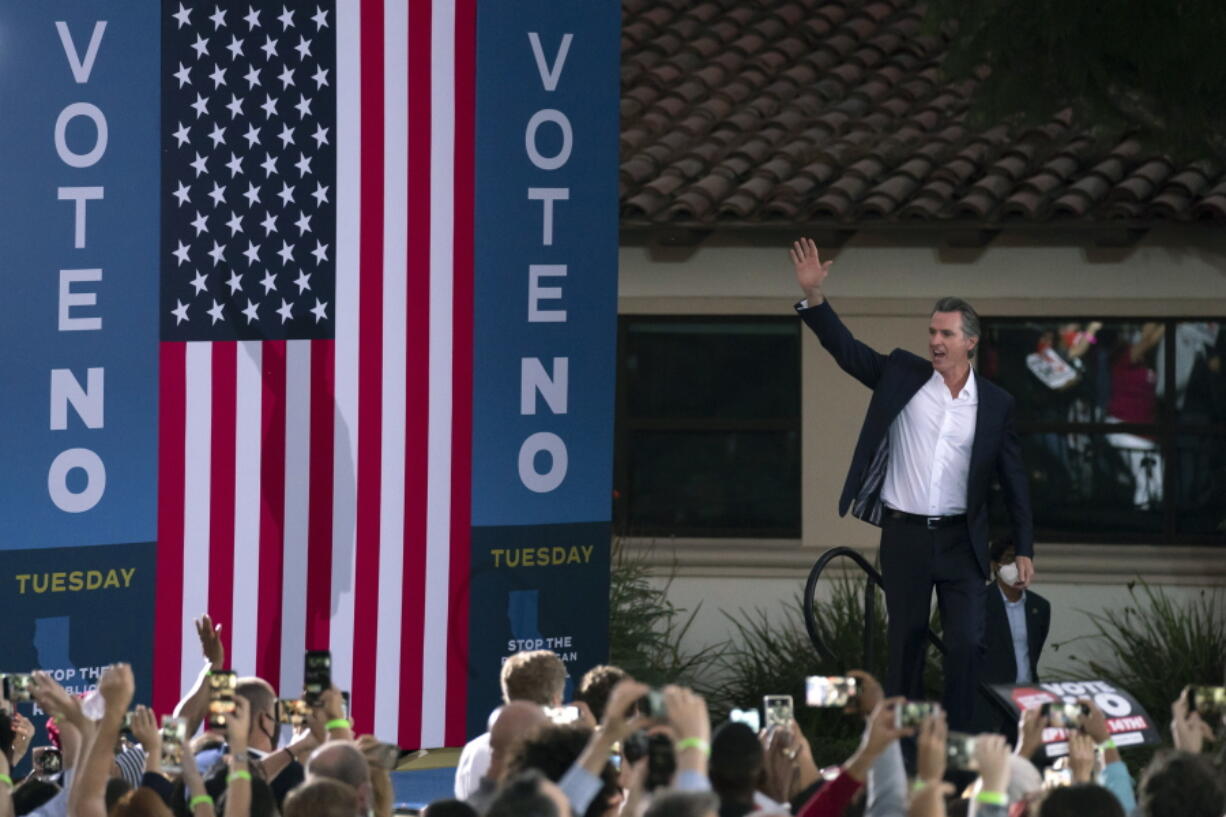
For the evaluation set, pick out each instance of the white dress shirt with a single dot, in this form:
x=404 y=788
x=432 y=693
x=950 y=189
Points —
x=930 y=450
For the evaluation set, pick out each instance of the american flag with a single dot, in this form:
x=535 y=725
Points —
x=316 y=349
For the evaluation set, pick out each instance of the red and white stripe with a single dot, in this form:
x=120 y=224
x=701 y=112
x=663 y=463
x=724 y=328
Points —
x=316 y=494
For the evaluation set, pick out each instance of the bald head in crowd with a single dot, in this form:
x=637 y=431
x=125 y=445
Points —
x=342 y=760
x=515 y=721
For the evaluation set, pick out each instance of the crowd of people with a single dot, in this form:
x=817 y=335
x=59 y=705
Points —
x=620 y=748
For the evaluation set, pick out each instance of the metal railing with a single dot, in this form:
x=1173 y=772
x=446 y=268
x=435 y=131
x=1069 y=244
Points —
x=872 y=581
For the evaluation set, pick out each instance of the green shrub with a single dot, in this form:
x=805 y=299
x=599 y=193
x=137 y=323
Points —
x=646 y=629
x=1152 y=648
x=772 y=655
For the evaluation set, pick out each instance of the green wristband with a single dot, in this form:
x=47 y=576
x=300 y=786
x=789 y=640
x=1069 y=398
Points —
x=694 y=743
x=4 y=778
x=199 y=799
x=993 y=798
x=918 y=785
x=339 y=723
x=241 y=774
x=1109 y=743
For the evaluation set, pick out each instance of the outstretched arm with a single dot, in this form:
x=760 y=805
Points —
x=857 y=359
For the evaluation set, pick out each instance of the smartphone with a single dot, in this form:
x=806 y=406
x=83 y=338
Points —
x=345 y=698
x=174 y=736
x=221 y=698
x=48 y=761
x=634 y=747
x=1210 y=702
x=317 y=675
x=911 y=714
x=661 y=762
x=1064 y=715
x=18 y=687
x=293 y=711
x=960 y=751
x=562 y=714
x=652 y=705
x=777 y=710
x=749 y=717
x=829 y=691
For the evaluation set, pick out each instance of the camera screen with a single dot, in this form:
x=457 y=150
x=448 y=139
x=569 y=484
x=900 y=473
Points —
x=221 y=698
x=317 y=675
x=827 y=691
x=912 y=713
x=778 y=710
x=960 y=751
x=174 y=735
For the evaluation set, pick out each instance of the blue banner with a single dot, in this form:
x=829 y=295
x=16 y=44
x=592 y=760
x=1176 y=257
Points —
x=545 y=334
x=78 y=317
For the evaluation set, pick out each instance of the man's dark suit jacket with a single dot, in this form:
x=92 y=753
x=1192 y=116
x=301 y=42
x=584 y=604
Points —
x=999 y=661
x=894 y=379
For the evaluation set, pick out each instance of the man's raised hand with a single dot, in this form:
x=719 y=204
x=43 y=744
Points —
x=811 y=271
x=210 y=641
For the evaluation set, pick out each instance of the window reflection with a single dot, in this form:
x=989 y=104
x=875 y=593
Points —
x=1099 y=414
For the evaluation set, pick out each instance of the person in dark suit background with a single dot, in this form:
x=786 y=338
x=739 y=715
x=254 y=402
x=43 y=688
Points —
x=934 y=438
x=1018 y=620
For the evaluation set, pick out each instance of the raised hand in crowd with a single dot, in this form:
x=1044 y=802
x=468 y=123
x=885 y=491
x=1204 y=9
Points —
x=879 y=732
x=75 y=729
x=788 y=762
x=87 y=795
x=238 y=784
x=931 y=759
x=195 y=702
x=332 y=704
x=620 y=721
x=1188 y=730
x=200 y=803
x=1095 y=725
x=1081 y=757
x=868 y=693
x=149 y=736
x=382 y=763
x=1030 y=732
x=687 y=714
x=211 y=645
x=992 y=757
x=23 y=733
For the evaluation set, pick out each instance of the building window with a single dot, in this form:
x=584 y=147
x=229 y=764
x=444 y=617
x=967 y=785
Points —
x=708 y=427
x=1122 y=425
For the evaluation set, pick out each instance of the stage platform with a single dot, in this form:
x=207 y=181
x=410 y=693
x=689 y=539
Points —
x=422 y=777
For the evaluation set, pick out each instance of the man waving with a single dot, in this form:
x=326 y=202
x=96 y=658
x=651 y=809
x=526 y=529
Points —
x=934 y=438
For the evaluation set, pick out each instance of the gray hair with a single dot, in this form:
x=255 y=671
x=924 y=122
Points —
x=970 y=318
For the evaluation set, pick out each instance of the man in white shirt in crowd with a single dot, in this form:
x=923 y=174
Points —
x=538 y=677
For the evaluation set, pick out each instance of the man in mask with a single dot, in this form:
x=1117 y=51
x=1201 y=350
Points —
x=1016 y=629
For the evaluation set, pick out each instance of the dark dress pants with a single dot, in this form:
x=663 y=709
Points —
x=914 y=560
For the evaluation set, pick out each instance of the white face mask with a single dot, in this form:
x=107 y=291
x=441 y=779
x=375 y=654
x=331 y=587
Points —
x=1008 y=573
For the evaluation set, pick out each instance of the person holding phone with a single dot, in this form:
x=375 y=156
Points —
x=935 y=437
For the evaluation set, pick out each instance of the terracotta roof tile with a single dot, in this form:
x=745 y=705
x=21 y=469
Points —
x=767 y=110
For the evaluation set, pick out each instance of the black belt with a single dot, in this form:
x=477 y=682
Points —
x=930 y=522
